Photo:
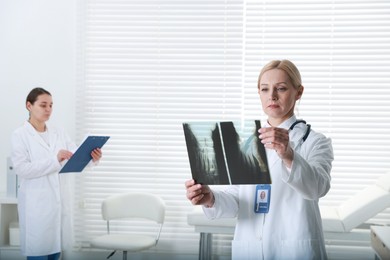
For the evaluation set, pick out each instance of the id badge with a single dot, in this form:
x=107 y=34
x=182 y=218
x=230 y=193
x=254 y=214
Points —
x=263 y=198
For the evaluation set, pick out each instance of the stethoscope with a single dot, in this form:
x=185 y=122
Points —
x=307 y=130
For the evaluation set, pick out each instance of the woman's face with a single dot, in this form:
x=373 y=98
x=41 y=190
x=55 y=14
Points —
x=41 y=109
x=278 y=96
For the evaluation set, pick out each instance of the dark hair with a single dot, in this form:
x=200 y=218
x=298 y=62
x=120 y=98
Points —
x=34 y=93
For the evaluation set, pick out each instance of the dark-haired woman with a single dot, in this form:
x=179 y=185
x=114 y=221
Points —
x=38 y=153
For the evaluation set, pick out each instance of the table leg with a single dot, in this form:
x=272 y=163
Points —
x=205 y=249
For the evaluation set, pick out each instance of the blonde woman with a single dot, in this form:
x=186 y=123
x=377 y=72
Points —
x=289 y=225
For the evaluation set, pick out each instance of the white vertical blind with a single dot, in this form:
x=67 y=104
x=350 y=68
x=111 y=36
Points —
x=147 y=66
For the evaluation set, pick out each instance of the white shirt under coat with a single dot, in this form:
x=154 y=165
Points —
x=292 y=229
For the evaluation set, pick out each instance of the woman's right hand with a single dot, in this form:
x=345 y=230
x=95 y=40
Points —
x=64 y=155
x=199 y=194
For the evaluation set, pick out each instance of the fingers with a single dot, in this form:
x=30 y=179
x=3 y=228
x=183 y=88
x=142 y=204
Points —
x=189 y=183
x=275 y=138
x=193 y=189
x=196 y=192
x=274 y=135
x=96 y=154
x=64 y=155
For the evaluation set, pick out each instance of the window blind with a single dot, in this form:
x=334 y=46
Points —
x=147 y=66
x=342 y=49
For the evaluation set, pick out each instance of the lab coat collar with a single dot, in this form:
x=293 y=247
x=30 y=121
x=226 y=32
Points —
x=286 y=124
x=31 y=130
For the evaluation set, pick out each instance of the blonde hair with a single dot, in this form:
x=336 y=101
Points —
x=285 y=65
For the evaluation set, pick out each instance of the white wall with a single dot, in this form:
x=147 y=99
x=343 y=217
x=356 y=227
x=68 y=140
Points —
x=37 y=48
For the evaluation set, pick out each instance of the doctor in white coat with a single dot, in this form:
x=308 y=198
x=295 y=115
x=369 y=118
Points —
x=300 y=162
x=38 y=153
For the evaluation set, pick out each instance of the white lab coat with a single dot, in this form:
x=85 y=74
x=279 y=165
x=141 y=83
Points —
x=292 y=229
x=44 y=203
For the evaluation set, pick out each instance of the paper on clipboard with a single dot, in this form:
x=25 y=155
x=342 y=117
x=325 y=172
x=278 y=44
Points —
x=82 y=156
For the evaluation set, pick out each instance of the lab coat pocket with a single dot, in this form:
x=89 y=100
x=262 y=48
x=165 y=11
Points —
x=244 y=249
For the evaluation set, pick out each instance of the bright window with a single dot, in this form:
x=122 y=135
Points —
x=147 y=66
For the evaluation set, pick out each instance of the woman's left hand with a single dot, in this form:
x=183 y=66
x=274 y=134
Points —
x=277 y=139
x=96 y=154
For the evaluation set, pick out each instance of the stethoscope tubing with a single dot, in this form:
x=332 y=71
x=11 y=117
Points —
x=307 y=130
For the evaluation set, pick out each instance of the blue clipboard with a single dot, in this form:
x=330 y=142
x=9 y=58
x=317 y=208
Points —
x=82 y=156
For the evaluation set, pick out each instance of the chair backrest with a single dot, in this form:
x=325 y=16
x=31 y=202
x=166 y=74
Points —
x=134 y=205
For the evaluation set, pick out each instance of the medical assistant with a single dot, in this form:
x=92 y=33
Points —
x=292 y=229
x=44 y=195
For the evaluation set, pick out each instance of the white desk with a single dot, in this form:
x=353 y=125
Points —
x=8 y=214
x=206 y=228
x=380 y=241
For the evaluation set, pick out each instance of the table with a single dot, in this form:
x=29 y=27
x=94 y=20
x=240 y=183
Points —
x=206 y=227
x=380 y=241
